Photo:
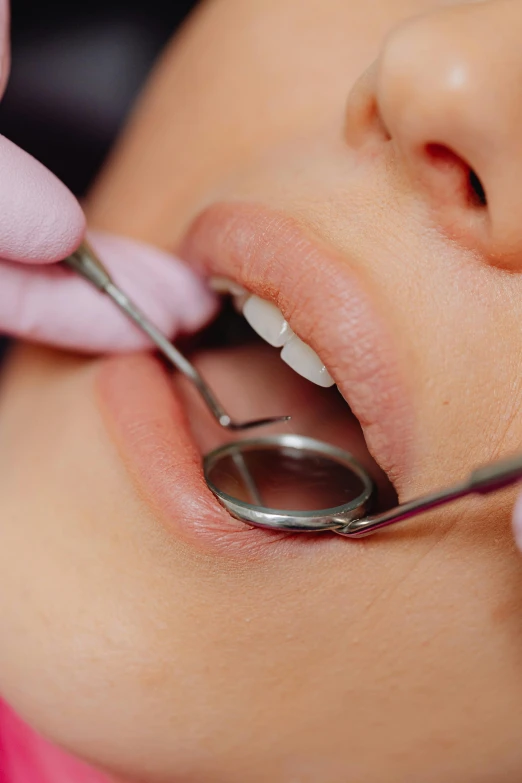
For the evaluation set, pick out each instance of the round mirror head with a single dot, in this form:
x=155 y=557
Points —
x=289 y=482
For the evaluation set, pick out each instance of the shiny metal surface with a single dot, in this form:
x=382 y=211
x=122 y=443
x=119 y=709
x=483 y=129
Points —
x=86 y=263
x=291 y=520
x=482 y=481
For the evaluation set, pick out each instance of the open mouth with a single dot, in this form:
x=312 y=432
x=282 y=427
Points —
x=302 y=298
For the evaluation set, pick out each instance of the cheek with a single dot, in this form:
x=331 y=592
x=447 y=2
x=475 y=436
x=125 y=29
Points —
x=459 y=319
x=81 y=599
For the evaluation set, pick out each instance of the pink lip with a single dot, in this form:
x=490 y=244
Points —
x=327 y=306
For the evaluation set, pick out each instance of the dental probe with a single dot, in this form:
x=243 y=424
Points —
x=86 y=263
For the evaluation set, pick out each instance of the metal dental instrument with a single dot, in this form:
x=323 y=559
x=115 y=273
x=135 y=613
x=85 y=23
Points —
x=87 y=264
x=482 y=481
x=304 y=465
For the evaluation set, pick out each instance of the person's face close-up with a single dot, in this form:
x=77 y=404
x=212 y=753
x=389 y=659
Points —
x=374 y=225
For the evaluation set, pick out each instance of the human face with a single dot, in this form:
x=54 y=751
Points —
x=141 y=626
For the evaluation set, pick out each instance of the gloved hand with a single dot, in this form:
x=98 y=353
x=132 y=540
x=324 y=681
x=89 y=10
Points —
x=40 y=223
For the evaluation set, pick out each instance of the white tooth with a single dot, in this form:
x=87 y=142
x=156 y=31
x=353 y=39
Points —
x=267 y=320
x=301 y=358
x=223 y=285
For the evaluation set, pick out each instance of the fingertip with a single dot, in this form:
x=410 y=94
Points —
x=40 y=219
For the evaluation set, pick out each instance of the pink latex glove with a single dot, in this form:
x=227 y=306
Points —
x=40 y=223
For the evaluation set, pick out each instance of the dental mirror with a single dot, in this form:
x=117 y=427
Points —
x=258 y=481
x=289 y=482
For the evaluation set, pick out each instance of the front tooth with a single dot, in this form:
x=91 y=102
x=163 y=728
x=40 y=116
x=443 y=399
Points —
x=301 y=358
x=223 y=285
x=267 y=320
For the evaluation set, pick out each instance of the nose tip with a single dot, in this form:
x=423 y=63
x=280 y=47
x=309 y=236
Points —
x=453 y=114
x=430 y=98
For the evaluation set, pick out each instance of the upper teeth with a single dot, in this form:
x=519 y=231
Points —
x=267 y=320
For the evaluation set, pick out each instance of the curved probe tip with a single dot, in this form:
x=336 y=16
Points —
x=248 y=425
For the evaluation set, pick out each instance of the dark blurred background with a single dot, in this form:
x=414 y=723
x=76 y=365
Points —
x=76 y=68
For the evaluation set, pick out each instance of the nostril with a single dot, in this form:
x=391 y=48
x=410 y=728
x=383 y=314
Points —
x=477 y=189
x=469 y=182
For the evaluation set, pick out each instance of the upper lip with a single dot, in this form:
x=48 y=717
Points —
x=327 y=305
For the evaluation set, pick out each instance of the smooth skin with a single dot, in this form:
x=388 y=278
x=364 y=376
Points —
x=398 y=659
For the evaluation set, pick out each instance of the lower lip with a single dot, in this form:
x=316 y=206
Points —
x=148 y=424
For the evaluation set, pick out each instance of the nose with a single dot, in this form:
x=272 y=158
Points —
x=448 y=89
